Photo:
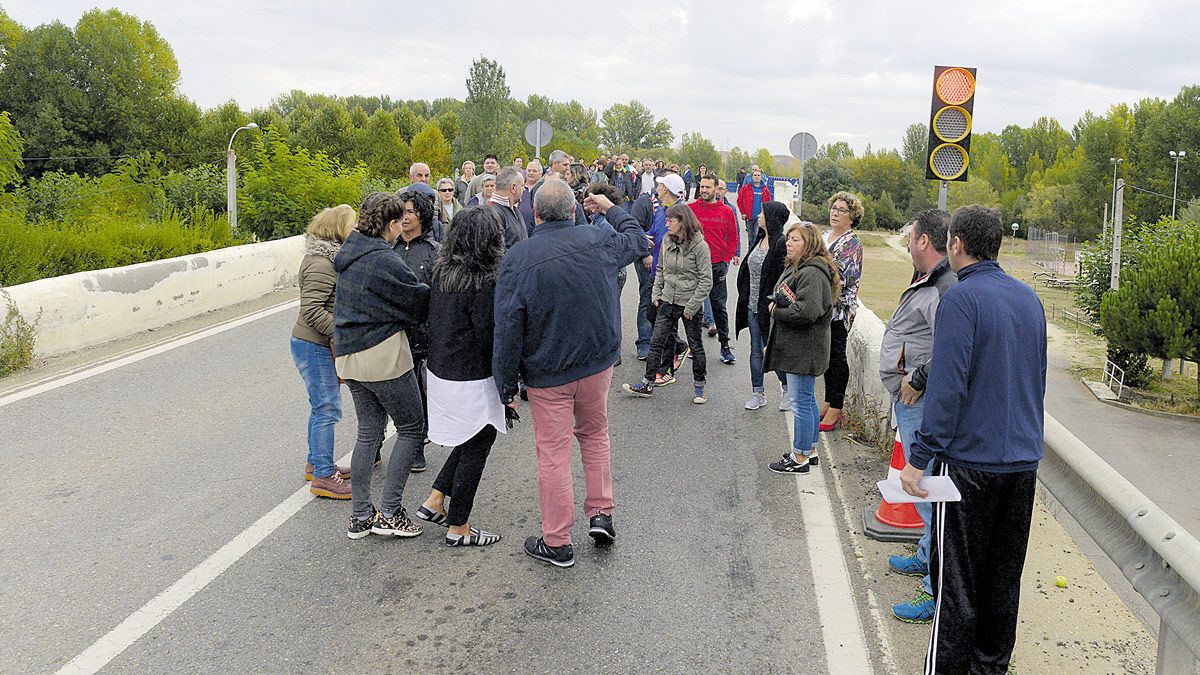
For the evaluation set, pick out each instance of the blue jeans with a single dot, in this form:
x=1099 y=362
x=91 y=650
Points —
x=708 y=317
x=315 y=363
x=908 y=419
x=806 y=420
x=758 y=346
x=645 y=289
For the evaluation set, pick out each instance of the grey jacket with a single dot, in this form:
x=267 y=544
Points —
x=908 y=340
x=684 y=274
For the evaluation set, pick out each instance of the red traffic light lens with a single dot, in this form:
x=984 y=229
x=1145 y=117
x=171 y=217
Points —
x=955 y=86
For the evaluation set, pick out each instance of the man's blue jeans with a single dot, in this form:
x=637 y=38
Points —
x=645 y=289
x=315 y=363
x=908 y=419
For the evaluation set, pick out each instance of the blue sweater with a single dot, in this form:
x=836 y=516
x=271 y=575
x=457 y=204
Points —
x=987 y=378
x=556 y=302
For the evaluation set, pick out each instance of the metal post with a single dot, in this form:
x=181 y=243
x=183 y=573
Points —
x=1105 y=221
x=1119 y=206
x=1175 y=190
x=942 y=190
x=538 y=145
x=800 y=198
x=231 y=187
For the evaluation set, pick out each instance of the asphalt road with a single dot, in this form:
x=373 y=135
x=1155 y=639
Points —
x=131 y=478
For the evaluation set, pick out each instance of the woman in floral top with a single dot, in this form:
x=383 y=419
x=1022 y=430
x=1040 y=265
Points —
x=845 y=212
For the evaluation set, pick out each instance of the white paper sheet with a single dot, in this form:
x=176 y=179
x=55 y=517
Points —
x=941 y=489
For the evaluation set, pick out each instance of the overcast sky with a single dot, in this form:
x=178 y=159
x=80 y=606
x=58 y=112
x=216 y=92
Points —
x=741 y=74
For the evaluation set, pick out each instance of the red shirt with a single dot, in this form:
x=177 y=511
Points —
x=720 y=229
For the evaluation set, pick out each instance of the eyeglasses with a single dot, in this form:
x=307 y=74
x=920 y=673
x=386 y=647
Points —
x=838 y=211
x=445 y=189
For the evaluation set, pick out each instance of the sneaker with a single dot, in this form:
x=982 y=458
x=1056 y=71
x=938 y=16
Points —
x=679 y=359
x=419 y=465
x=813 y=460
x=602 y=531
x=642 y=355
x=559 y=556
x=664 y=379
x=641 y=389
x=699 y=398
x=712 y=330
x=785 y=403
x=727 y=355
x=333 y=487
x=308 y=472
x=908 y=565
x=789 y=465
x=476 y=537
x=361 y=528
x=398 y=525
x=918 y=610
x=757 y=400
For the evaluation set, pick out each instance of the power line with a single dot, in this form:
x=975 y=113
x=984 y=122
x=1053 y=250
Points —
x=61 y=159
x=1149 y=192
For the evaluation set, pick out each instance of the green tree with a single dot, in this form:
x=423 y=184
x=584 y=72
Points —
x=972 y=191
x=737 y=159
x=407 y=122
x=915 y=144
x=489 y=124
x=330 y=130
x=886 y=214
x=11 y=148
x=450 y=124
x=430 y=146
x=823 y=177
x=1156 y=309
x=836 y=151
x=10 y=34
x=380 y=147
x=765 y=161
x=695 y=149
x=632 y=126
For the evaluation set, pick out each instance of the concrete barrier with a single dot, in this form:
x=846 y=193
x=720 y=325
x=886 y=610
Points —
x=90 y=308
x=865 y=393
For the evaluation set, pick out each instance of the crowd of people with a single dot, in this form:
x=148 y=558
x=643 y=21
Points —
x=441 y=308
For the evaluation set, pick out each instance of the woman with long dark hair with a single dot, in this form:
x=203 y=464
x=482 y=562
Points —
x=378 y=302
x=757 y=277
x=464 y=406
x=801 y=309
x=681 y=284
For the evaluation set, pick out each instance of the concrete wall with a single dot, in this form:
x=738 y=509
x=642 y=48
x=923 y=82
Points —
x=866 y=393
x=90 y=308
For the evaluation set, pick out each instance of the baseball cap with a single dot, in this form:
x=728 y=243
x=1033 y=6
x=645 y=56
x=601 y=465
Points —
x=673 y=183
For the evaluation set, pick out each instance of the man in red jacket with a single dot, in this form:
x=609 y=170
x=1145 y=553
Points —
x=721 y=234
x=751 y=197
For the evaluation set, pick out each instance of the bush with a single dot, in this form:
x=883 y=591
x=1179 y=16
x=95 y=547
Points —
x=17 y=338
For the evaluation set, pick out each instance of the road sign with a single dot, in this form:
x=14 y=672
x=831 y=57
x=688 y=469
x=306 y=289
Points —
x=537 y=134
x=803 y=146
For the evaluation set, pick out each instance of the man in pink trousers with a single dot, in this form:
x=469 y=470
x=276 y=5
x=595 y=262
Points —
x=558 y=329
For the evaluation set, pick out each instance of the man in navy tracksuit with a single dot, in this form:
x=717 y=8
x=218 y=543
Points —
x=982 y=427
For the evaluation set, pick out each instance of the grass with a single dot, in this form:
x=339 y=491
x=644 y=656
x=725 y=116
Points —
x=17 y=339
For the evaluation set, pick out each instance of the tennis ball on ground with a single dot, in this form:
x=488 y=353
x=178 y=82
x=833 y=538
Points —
x=1060 y=581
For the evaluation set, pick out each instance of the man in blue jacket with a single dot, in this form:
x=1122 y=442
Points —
x=982 y=427
x=556 y=307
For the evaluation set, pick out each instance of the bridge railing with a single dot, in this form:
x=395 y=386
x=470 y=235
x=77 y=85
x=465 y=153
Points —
x=1160 y=558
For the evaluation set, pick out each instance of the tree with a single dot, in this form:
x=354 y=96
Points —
x=407 y=122
x=11 y=147
x=737 y=159
x=10 y=33
x=915 y=144
x=695 y=149
x=823 y=177
x=972 y=191
x=329 y=130
x=488 y=122
x=1156 y=309
x=430 y=146
x=836 y=151
x=380 y=147
x=631 y=126
x=886 y=213
x=765 y=161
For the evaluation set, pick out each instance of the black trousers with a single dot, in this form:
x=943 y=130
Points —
x=975 y=561
x=838 y=374
x=679 y=347
x=663 y=338
x=459 y=477
x=718 y=297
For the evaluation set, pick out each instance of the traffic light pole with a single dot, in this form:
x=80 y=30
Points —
x=942 y=190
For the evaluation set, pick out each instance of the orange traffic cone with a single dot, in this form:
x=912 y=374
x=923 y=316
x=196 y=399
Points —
x=893 y=522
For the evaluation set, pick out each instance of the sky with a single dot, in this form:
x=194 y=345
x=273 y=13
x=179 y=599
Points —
x=748 y=75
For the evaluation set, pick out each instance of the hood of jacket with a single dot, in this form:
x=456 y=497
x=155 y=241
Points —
x=356 y=247
x=818 y=264
x=775 y=216
x=320 y=247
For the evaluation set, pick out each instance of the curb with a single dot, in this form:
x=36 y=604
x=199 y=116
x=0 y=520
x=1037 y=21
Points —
x=1129 y=406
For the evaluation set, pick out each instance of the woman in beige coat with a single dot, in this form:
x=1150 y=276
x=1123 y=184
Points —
x=681 y=284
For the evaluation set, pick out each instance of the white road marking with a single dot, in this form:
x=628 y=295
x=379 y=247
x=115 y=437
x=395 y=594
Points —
x=841 y=627
x=162 y=605
x=142 y=355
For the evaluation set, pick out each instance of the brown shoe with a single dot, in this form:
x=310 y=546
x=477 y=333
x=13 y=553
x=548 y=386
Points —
x=308 y=469
x=334 y=487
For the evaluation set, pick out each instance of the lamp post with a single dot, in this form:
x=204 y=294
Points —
x=1175 y=191
x=231 y=177
x=1115 y=161
x=1014 y=227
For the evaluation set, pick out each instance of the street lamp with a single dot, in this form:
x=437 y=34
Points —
x=1175 y=156
x=1115 y=161
x=1014 y=227
x=231 y=177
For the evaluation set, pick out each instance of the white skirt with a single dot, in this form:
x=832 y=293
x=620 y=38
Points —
x=459 y=410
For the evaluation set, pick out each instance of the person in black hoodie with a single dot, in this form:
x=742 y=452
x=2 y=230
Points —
x=464 y=406
x=377 y=303
x=762 y=269
x=418 y=249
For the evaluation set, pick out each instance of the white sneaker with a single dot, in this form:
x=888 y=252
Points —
x=757 y=400
x=785 y=403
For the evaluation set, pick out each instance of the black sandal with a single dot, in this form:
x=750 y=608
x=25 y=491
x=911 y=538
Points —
x=435 y=517
x=476 y=537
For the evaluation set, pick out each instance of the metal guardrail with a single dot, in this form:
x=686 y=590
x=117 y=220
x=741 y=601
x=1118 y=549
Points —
x=1159 y=557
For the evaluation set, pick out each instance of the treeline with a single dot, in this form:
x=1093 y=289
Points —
x=96 y=134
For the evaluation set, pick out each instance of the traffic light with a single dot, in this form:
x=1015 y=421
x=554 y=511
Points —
x=949 y=153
